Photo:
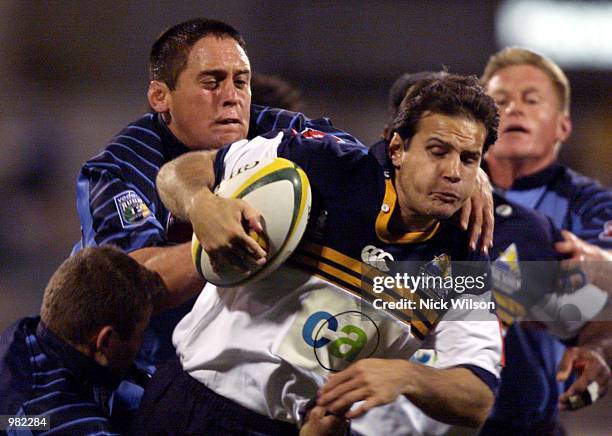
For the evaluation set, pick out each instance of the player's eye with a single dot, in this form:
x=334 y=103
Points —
x=437 y=151
x=210 y=84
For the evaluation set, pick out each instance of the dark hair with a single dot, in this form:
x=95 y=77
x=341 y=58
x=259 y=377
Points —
x=398 y=92
x=171 y=49
x=96 y=287
x=452 y=95
x=270 y=90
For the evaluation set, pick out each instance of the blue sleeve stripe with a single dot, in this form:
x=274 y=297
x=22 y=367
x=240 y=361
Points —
x=278 y=115
x=107 y=165
x=138 y=141
x=42 y=398
x=70 y=406
x=51 y=372
x=38 y=358
x=51 y=383
x=84 y=212
x=295 y=118
x=100 y=187
x=136 y=170
x=97 y=210
x=75 y=422
x=261 y=114
x=132 y=152
x=155 y=135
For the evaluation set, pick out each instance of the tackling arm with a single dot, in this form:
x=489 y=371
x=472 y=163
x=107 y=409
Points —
x=454 y=395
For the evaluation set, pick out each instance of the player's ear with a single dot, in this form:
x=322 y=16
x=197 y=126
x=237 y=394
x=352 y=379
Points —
x=159 y=96
x=103 y=342
x=564 y=127
x=396 y=146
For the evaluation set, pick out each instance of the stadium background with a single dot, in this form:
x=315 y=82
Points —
x=74 y=73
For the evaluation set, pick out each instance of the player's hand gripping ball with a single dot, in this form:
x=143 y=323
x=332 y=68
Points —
x=280 y=190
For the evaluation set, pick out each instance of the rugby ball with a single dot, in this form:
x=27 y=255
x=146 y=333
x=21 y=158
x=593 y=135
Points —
x=280 y=190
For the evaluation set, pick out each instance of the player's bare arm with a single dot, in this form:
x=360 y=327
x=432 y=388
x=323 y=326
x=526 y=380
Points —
x=455 y=395
x=477 y=214
x=184 y=185
x=176 y=269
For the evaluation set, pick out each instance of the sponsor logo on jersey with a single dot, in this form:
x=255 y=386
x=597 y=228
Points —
x=606 y=235
x=425 y=357
x=340 y=339
x=370 y=255
x=131 y=208
x=317 y=134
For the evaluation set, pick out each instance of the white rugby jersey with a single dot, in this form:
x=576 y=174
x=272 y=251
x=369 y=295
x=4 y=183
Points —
x=270 y=345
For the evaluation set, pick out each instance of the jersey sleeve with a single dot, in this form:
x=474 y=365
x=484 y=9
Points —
x=114 y=210
x=326 y=160
x=473 y=344
x=591 y=215
x=265 y=119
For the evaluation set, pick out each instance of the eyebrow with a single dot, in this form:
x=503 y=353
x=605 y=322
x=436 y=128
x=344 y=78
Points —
x=476 y=153
x=221 y=72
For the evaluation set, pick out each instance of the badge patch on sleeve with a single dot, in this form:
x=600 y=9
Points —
x=132 y=209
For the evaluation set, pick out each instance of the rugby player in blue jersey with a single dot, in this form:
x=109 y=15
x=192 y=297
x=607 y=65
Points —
x=533 y=96
x=248 y=355
x=65 y=365
x=200 y=94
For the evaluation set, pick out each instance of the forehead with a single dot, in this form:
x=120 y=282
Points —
x=212 y=52
x=457 y=130
x=519 y=78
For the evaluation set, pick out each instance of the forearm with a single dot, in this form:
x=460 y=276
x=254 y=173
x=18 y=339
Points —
x=181 y=181
x=454 y=396
x=174 y=265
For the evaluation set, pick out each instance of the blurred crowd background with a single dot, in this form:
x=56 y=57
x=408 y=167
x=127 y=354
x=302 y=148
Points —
x=74 y=73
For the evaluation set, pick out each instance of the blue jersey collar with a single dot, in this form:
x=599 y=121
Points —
x=171 y=146
x=83 y=367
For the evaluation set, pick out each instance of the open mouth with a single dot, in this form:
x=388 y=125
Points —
x=515 y=128
x=229 y=121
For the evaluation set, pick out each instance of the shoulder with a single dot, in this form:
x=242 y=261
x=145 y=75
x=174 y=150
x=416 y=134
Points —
x=16 y=373
x=533 y=232
x=579 y=186
x=138 y=142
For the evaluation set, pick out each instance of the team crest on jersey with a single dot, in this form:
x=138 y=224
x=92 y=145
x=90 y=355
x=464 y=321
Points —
x=606 y=235
x=132 y=208
x=317 y=134
x=440 y=266
x=506 y=271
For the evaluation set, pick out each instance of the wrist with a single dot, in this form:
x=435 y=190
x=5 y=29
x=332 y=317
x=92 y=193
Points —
x=407 y=376
x=200 y=199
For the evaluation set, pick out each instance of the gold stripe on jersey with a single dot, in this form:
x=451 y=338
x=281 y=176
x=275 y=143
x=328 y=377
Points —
x=507 y=304
x=384 y=216
x=356 y=278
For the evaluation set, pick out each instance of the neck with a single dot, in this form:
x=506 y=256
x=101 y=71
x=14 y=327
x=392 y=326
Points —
x=405 y=222
x=503 y=172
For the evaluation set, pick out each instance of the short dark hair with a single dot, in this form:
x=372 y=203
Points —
x=273 y=91
x=170 y=51
x=398 y=92
x=98 y=286
x=452 y=95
